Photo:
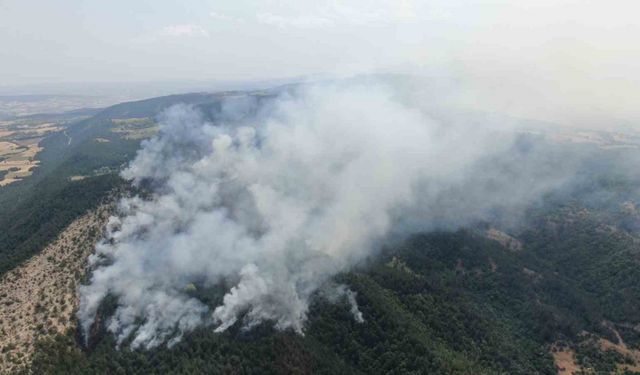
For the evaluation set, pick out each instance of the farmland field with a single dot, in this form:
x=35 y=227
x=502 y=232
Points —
x=19 y=145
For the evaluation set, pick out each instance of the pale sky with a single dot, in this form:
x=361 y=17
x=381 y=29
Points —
x=578 y=54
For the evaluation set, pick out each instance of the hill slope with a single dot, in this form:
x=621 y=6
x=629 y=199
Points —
x=439 y=303
x=558 y=292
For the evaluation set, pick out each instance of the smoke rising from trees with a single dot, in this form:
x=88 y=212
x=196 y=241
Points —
x=272 y=206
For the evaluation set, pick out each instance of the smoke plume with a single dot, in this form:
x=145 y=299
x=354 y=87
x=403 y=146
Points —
x=272 y=206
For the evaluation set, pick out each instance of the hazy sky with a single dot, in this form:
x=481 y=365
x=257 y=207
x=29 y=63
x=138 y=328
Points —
x=573 y=53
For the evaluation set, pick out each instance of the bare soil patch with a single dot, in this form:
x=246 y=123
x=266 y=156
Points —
x=504 y=239
x=564 y=359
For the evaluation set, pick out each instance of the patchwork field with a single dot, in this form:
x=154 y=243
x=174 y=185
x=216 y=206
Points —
x=19 y=145
x=25 y=105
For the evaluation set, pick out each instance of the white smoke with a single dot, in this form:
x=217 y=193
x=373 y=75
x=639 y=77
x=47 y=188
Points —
x=278 y=205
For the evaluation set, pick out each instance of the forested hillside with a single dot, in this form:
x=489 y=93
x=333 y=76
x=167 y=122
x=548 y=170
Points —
x=444 y=302
x=558 y=292
x=78 y=168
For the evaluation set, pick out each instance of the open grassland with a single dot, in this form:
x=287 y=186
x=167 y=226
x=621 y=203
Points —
x=38 y=298
x=565 y=360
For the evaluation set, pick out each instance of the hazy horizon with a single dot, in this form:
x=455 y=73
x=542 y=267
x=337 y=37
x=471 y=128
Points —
x=565 y=61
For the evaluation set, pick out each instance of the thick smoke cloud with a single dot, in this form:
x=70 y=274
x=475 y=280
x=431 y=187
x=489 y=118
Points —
x=273 y=207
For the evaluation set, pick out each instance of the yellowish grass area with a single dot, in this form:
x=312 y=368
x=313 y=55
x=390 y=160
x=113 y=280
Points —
x=39 y=298
x=564 y=359
x=39 y=129
x=19 y=161
x=138 y=133
x=5 y=133
x=622 y=348
x=4 y=129
x=18 y=148
x=504 y=239
x=8 y=148
x=135 y=128
x=12 y=128
x=131 y=120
